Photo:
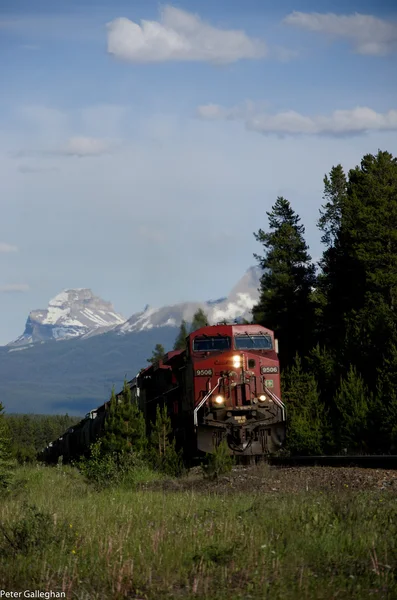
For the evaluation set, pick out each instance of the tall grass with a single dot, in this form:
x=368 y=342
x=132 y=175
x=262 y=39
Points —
x=131 y=543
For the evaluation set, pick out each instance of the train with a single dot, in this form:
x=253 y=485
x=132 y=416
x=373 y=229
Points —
x=225 y=385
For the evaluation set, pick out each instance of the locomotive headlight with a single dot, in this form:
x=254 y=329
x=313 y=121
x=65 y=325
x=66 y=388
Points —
x=219 y=400
x=262 y=398
x=237 y=361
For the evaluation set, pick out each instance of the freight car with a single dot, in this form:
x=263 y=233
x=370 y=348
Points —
x=224 y=386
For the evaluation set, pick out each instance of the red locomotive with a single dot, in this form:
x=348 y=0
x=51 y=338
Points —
x=225 y=385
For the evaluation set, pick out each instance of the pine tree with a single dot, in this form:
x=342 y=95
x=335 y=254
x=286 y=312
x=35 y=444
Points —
x=125 y=429
x=163 y=450
x=158 y=354
x=5 y=451
x=335 y=190
x=285 y=303
x=161 y=431
x=359 y=268
x=383 y=411
x=139 y=439
x=180 y=342
x=200 y=319
x=306 y=416
x=353 y=401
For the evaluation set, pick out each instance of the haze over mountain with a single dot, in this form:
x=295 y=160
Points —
x=60 y=366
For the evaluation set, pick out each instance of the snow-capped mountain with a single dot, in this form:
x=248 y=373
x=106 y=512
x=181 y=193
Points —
x=77 y=313
x=237 y=305
x=72 y=313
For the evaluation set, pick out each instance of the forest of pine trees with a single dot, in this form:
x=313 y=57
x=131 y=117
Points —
x=338 y=326
x=29 y=434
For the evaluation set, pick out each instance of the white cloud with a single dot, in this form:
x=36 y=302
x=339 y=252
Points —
x=6 y=248
x=341 y=122
x=368 y=34
x=179 y=35
x=10 y=288
x=84 y=146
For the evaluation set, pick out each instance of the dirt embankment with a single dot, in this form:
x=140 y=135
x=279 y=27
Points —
x=270 y=479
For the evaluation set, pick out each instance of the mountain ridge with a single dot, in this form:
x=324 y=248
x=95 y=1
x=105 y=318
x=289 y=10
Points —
x=77 y=312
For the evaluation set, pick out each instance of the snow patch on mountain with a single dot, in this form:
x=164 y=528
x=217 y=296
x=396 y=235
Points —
x=71 y=313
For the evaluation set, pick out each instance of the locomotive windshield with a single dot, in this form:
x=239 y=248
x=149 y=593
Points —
x=253 y=342
x=210 y=343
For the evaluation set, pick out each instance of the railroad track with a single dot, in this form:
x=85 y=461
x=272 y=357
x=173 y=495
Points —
x=370 y=462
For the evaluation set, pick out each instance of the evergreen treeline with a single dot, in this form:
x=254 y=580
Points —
x=337 y=324
x=31 y=433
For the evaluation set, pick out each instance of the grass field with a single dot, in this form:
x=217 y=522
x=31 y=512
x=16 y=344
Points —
x=58 y=533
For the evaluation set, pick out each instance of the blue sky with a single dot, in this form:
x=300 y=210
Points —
x=141 y=144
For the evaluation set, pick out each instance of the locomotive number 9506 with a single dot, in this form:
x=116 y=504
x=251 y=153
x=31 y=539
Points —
x=269 y=370
x=203 y=372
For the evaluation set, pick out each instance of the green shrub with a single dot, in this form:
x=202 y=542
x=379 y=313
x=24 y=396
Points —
x=219 y=463
x=306 y=415
x=104 y=469
x=101 y=469
x=34 y=532
x=353 y=401
x=162 y=452
x=172 y=462
x=24 y=454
